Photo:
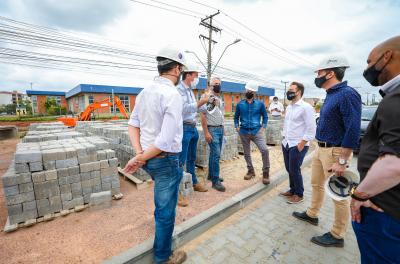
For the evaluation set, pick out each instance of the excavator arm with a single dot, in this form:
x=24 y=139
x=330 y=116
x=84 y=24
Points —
x=86 y=114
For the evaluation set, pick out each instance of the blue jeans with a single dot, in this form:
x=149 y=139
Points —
x=166 y=173
x=189 y=148
x=378 y=237
x=217 y=134
x=293 y=159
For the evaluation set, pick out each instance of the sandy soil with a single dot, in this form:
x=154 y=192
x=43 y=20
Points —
x=92 y=236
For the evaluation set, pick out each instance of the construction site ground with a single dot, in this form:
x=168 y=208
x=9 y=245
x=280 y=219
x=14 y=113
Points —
x=92 y=236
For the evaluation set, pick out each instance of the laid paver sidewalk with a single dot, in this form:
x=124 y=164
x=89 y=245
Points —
x=266 y=232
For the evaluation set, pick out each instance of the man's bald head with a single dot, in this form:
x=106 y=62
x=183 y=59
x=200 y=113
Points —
x=385 y=57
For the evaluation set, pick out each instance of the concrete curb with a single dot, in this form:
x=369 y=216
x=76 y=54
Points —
x=190 y=229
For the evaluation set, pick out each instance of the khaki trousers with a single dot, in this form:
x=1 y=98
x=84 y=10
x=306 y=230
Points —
x=322 y=161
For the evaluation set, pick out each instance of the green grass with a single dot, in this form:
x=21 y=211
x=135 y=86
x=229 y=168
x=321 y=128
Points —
x=27 y=118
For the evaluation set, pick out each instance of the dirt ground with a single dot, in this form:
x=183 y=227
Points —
x=92 y=236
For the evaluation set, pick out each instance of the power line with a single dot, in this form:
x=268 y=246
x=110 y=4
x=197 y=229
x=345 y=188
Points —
x=166 y=9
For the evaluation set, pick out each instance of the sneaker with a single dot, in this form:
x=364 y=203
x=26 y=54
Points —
x=250 y=174
x=286 y=194
x=328 y=240
x=294 y=199
x=304 y=217
x=177 y=257
x=199 y=187
x=218 y=186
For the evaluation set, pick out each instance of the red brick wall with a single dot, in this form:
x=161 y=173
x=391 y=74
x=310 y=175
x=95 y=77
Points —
x=132 y=100
x=41 y=100
x=99 y=97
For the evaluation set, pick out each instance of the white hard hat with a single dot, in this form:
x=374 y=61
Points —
x=171 y=54
x=339 y=187
x=191 y=66
x=252 y=86
x=333 y=62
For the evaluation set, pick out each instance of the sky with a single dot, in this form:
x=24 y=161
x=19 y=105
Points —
x=281 y=40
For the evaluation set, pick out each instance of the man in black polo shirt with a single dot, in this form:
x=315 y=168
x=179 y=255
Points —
x=375 y=206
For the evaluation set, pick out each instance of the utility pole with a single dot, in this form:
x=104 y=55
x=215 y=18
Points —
x=207 y=22
x=33 y=108
x=284 y=95
x=368 y=93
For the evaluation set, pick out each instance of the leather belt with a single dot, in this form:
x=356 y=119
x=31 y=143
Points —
x=326 y=145
x=216 y=126
x=165 y=154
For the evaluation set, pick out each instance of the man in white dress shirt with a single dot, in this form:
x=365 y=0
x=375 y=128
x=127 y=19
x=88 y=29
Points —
x=298 y=130
x=155 y=130
x=276 y=108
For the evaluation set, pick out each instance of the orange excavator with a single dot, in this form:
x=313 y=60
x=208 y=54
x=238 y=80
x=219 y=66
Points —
x=87 y=113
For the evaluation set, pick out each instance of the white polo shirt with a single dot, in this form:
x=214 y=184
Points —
x=158 y=114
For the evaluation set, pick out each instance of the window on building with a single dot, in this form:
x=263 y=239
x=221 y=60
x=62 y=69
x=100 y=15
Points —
x=124 y=100
x=91 y=99
x=58 y=100
x=81 y=103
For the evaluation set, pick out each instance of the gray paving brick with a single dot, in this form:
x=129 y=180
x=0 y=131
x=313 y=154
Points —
x=23 y=178
x=49 y=155
x=65 y=188
x=21 y=167
x=63 y=181
x=9 y=180
x=51 y=175
x=73 y=170
x=60 y=154
x=106 y=187
x=86 y=167
x=35 y=166
x=29 y=206
x=28 y=156
x=100 y=199
x=49 y=165
x=85 y=176
x=102 y=155
x=94 y=174
x=26 y=187
x=38 y=177
x=110 y=153
x=74 y=178
x=71 y=152
x=108 y=172
x=15 y=209
x=11 y=190
x=63 y=172
x=66 y=197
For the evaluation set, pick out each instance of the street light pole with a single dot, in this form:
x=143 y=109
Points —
x=284 y=95
x=234 y=42
x=195 y=54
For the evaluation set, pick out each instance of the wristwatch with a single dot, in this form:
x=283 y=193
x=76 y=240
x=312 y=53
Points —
x=342 y=162
x=356 y=196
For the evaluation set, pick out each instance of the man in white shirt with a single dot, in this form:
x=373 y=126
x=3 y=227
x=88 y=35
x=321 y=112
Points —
x=155 y=130
x=298 y=130
x=276 y=108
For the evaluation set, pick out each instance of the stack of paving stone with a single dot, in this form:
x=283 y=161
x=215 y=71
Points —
x=116 y=133
x=52 y=176
x=186 y=185
x=274 y=131
x=230 y=147
x=46 y=135
x=47 y=126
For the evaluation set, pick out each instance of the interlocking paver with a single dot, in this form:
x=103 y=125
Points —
x=267 y=233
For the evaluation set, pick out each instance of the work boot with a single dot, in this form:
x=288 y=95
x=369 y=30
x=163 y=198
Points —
x=303 y=216
x=265 y=179
x=220 y=179
x=177 y=257
x=250 y=174
x=286 y=194
x=294 y=199
x=218 y=186
x=198 y=187
x=182 y=201
x=328 y=240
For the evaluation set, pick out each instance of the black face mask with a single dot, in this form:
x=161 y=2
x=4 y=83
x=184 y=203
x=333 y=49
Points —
x=217 y=88
x=371 y=74
x=249 y=95
x=290 y=95
x=319 y=81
